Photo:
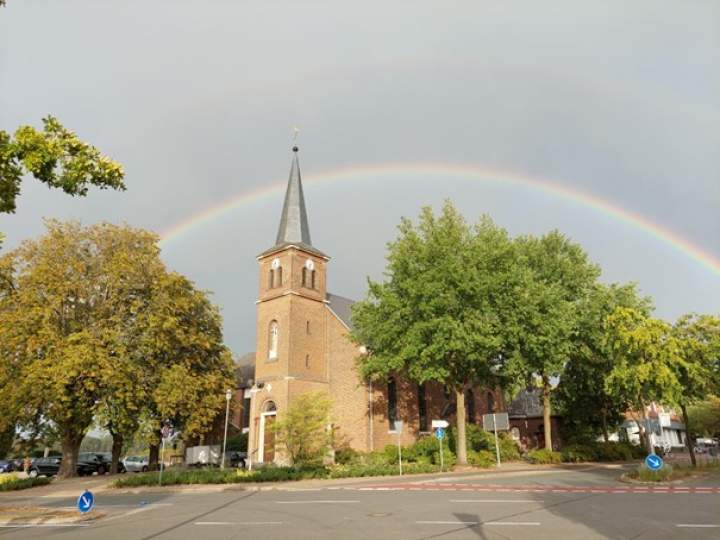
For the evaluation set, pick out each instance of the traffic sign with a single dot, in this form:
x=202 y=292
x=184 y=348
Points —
x=653 y=462
x=440 y=433
x=85 y=502
x=440 y=424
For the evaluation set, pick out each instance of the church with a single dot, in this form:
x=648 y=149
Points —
x=303 y=345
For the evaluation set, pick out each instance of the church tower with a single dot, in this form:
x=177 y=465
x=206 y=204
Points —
x=291 y=356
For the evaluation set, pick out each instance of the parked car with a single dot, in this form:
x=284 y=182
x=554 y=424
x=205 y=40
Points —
x=50 y=466
x=135 y=463
x=236 y=459
x=7 y=465
x=105 y=460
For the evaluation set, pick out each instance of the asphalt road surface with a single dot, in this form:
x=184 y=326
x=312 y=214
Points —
x=585 y=503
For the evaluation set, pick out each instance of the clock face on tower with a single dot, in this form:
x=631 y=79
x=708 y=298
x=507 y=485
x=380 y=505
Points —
x=275 y=264
x=310 y=265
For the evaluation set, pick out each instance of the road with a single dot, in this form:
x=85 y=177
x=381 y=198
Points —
x=558 y=503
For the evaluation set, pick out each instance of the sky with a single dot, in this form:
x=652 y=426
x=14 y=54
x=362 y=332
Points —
x=198 y=100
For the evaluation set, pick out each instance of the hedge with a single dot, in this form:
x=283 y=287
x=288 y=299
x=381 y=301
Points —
x=10 y=482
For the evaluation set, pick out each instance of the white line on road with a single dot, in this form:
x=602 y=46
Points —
x=317 y=502
x=495 y=501
x=698 y=526
x=519 y=523
x=238 y=523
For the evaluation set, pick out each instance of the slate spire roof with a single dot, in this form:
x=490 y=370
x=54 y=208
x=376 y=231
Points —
x=294 y=229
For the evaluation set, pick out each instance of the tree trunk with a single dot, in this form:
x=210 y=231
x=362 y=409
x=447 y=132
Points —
x=70 y=450
x=154 y=458
x=461 y=438
x=688 y=438
x=117 y=445
x=606 y=436
x=644 y=429
x=546 y=414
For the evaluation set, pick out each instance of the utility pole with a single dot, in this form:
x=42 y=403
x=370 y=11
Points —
x=228 y=397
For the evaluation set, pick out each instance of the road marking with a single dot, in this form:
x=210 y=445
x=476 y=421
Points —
x=317 y=502
x=238 y=523
x=511 y=523
x=698 y=526
x=28 y=525
x=495 y=501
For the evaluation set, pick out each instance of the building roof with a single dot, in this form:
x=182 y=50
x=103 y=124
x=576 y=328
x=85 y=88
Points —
x=294 y=229
x=527 y=404
x=341 y=307
x=245 y=369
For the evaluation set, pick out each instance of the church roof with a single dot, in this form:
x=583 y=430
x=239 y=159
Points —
x=341 y=307
x=294 y=229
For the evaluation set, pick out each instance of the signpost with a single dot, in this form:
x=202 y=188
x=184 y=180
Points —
x=398 y=429
x=85 y=502
x=653 y=462
x=439 y=426
x=493 y=422
x=168 y=434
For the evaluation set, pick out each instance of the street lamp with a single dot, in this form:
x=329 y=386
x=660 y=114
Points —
x=228 y=397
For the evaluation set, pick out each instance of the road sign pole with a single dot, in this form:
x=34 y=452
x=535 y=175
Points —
x=228 y=397
x=497 y=444
x=399 y=454
x=442 y=465
x=162 y=461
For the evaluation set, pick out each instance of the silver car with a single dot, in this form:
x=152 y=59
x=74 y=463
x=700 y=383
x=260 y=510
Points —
x=136 y=463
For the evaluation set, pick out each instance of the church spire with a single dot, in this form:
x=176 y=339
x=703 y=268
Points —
x=294 y=227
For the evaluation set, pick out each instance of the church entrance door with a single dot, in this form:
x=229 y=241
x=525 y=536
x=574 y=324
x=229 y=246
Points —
x=266 y=448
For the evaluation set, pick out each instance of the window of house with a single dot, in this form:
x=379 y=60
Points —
x=392 y=403
x=271 y=279
x=304 y=277
x=273 y=341
x=470 y=405
x=245 y=422
x=422 y=408
x=307 y=327
x=307 y=360
x=312 y=279
x=279 y=276
x=490 y=402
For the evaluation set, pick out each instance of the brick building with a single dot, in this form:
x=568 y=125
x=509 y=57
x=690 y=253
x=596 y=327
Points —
x=302 y=346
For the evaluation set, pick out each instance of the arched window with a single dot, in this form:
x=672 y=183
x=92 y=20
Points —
x=273 y=335
x=304 y=277
x=279 y=276
x=269 y=406
x=312 y=279
x=307 y=361
x=307 y=327
x=470 y=405
x=271 y=279
x=490 y=402
x=392 y=403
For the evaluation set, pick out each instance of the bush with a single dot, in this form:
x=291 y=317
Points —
x=482 y=458
x=238 y=443
x=11 y=482
x=646 y=475
x=478 y=440
x=346 y=455
x=577 y=453
x=356 y=471
x=544 y=456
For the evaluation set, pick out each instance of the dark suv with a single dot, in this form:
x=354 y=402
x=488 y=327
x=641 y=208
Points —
x=99 y=462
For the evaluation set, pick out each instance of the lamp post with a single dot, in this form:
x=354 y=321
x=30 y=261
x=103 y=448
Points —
x=228 y=397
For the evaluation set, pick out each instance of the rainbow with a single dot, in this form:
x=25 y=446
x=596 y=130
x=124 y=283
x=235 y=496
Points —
x=457 y=171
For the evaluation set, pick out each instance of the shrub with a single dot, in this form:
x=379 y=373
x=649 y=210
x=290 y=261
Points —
x=544 y=456
x=576 y=453
x=646 y=475
x=478 y=440
x=482 y=458
x=346 y=455
x=302 y=430
x=11 y=482
x=238 y=443
x=509 y=450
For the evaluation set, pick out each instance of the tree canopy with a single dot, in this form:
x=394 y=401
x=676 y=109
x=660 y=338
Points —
x=57 y=157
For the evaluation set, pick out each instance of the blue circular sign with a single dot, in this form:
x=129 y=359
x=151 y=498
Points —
x=440 y=433
x=653 y=462
x=85 y=502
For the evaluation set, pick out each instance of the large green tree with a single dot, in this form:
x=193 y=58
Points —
x=588 y=409
x=80 y=310
x=646 y=356
x=440 y=313
x=557 y=277
x=699 y=340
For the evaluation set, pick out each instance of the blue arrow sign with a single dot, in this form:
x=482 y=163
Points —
x=85 y=502
x=653 y=462
x=440 y=433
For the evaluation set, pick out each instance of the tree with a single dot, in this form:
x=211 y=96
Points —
x=557 y=278
x=90 y=324
x=303 y=430
x=587 y=408
x=704 y=418
x=699 y=340
x=645 y=360
x=56 y=157
x=439 y=315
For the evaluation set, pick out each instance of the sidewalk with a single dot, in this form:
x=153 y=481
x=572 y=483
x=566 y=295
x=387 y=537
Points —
x=73 y=486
